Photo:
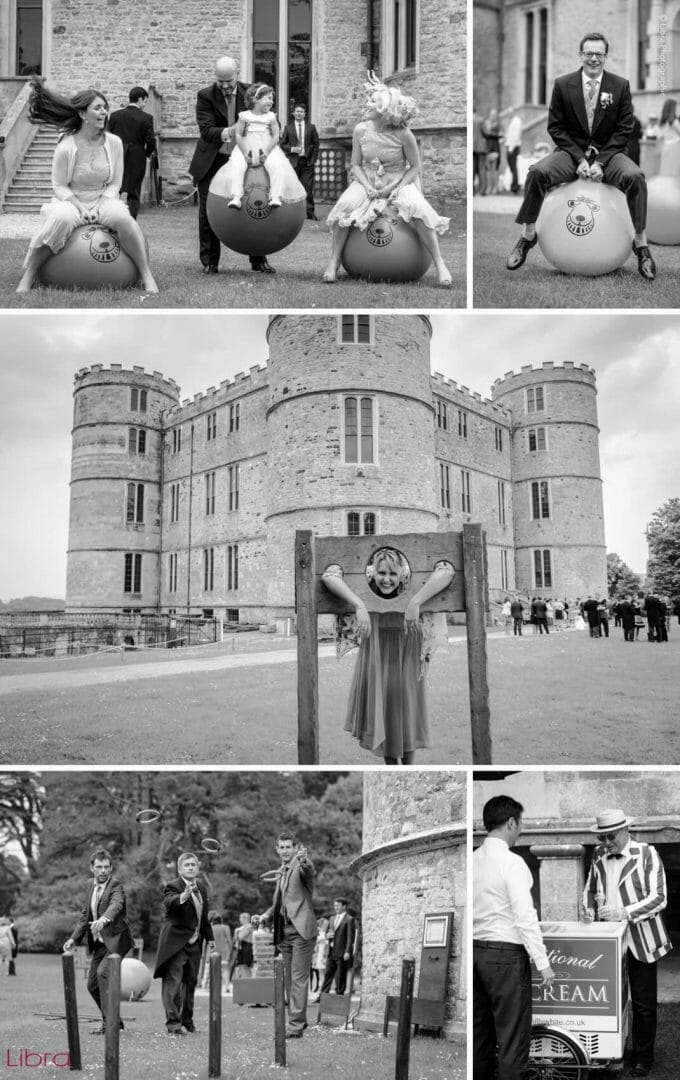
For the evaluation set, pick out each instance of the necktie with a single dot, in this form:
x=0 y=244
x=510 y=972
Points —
x=301 y=143
x=590 y=101
x=198 y=904
x=96 y=897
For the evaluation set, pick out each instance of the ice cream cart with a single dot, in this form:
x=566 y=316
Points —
x=580 y=1023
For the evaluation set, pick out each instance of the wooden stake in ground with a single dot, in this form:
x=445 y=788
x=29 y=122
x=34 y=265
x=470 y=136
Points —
x=279 y=1013
x=474 y=573
x=73 y=1035
x=110 y=978
x=307 y=650
x=408 y=974
x=215 y=1017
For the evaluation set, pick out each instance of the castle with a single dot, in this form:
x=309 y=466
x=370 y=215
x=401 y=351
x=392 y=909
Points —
x=192 y=507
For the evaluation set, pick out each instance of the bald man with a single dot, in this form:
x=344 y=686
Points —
x=217 y=109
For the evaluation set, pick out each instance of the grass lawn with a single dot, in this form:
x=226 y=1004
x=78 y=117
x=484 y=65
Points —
x=172 y=235
x=561 y=699
x=538 y=285
x=147 y=1053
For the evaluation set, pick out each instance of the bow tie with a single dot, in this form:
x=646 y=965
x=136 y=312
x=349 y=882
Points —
x=615 y=855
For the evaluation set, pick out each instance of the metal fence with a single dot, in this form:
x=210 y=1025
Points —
x=36 y=634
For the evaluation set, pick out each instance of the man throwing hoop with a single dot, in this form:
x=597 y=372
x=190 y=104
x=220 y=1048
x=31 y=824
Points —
x=590 y=121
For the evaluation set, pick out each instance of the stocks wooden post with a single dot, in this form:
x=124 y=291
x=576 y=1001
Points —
x=110 y=978
x=71 y=1005
x=307 y=650
x=215 y=1017
x=408 y=973
x=279 y=1013
x=474 y=571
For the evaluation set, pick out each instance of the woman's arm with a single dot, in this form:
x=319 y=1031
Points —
x=60 y=173
x=335 y=584
x=413 y=158
x=357 y=163
x=441 y=576
x=116 y=155
x=275 y=134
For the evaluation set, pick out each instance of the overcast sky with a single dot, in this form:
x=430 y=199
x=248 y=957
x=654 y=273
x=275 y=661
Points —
x=635 y=357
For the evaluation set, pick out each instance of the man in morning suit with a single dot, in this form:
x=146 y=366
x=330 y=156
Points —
x=300 y=141
x=184 y=928
x=341 y=937
x=627 y=884
x=295 y=930
x=217 y=109
x=590 y=120
x=104 y=920
x=135 y=128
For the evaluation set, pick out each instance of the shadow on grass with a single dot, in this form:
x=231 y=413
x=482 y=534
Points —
x=538 y=285
x=172 y=235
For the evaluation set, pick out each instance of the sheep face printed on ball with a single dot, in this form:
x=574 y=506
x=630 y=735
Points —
x=91 y=258
x=585 y=228
x=255 y=228
x=388 y=250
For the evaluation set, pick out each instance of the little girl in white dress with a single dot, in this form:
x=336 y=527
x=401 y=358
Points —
x=257 y=143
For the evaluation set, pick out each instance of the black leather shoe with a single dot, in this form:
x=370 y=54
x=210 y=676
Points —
x=518 y=255
x=262 y=267
x=641 y=1070
x=647 y=268
x=294 y=1033
x=210 y=269
x=312 y=217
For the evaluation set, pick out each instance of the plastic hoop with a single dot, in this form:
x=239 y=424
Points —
x=209 y=844
x=147 y=817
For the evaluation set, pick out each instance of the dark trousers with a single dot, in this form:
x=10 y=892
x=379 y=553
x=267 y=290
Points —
x=512 y=156
x=336 y=968
x=642 y=981
x=209 y=246
x=180 y=975
x=594 y=629
x=517 y=625
x=501 y=1011
x=133 y=198
x=604 y=626
x=558 y=168
x=305 y=174
x=96 y=980
x=541 y=624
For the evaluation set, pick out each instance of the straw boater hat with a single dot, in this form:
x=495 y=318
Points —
x=610 y=821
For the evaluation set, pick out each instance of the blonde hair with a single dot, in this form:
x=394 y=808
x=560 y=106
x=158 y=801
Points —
x=395 y=108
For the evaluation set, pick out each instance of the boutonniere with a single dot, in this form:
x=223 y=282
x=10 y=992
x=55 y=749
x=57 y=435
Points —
x=606 y=99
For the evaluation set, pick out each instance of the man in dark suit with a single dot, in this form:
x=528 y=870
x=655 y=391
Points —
x=341 y=937
x=295 y=930
x=135 y=128
x=300 y=141
x=590 y=121
x=184 y=928
x=217 y=109
x=104 y=920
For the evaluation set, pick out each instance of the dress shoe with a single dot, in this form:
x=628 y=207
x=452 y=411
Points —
x=647 y=268
x=312 y=217
x=191 y=1029
x=262 y=267
x=177 y=1031
x=210 y=269
x=294 y=1033
x=641 y=1070
x=517 y=256
x=101 y=1030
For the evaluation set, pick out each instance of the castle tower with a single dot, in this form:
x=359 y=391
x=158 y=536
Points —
x=350 y=433
x=116 y=471
x=557 y=487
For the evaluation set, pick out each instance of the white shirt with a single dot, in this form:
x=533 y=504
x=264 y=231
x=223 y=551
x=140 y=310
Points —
x=513 y=134
x=502 y=908
x=585 y=79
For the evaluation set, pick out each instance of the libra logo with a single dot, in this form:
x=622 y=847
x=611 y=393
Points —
x=379 y=233
x=104 y=246
x=580 y=219
x=257 y=205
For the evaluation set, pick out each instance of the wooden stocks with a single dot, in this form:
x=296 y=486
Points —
x=72 y=1033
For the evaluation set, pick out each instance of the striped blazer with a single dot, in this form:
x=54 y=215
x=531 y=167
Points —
x=642 y=892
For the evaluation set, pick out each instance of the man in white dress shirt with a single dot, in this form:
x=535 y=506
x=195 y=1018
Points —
x=506 y=935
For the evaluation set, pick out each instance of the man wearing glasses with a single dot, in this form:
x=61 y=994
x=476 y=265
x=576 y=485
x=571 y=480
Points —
x=590 y=121
x=626 y=883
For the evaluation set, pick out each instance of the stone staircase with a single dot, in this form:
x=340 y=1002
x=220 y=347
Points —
x=32 y=184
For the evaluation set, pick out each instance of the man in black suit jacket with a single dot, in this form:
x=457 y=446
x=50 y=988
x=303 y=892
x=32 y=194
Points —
x=217 y=109
x=590 y=121
x=180 y=943
x=300 y=141
x=104 y=920
x=341 y=935
x=135 y=128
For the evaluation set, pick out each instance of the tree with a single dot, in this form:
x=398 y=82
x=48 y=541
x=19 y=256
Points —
x=621 y=580
x=663 y=537
x=21 y=802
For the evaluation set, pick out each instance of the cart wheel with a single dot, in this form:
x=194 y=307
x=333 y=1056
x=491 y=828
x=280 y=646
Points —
x=555 y=1055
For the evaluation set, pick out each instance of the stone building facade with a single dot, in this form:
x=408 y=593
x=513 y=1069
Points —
x=413 y=863
x=192 y=507
x=521 y=47
x=315 y=51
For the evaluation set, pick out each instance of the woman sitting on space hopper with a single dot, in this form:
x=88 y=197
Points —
x=386 y=170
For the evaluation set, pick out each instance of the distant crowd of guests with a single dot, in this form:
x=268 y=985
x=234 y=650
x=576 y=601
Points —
x=632 y=613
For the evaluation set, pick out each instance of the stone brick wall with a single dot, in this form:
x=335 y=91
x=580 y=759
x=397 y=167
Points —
x=413 y=863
